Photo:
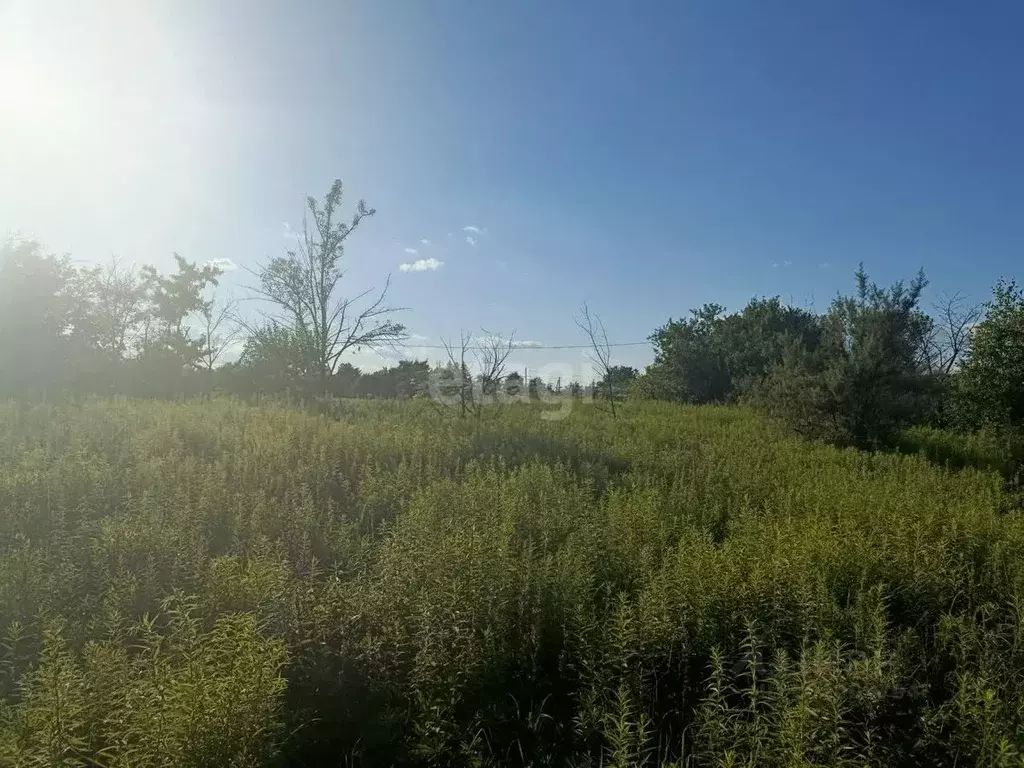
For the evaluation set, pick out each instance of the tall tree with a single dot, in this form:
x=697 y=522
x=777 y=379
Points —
x=40 y=319
x=948 y=341
x=600 y=351
x=303 y=288
x=990 y=386
x=174 y=300
x=491 y=353
x=117 y=299
x=866 y=379
x=452 y=384
x=689 y=360
x=713 y=357
x=217 y=330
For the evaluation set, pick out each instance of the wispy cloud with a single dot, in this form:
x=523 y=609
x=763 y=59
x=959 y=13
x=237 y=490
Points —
x=421 y=265
x=776 y=265
x=224 y=265
x=471 y=240
x=411 y=251
x=823 y=265
x=471 y=228
x=418 y=337
x=424 y=241
x=527 y=344
x=787 y=263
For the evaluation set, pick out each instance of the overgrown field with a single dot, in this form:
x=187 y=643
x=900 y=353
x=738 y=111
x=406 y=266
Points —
x=219 y=584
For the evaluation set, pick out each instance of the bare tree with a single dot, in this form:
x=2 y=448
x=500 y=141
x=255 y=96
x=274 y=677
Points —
x=303 y=287
x=218 y=330
x=949 y=336
x=600 y=354
x=491 y=353
x=457 y=366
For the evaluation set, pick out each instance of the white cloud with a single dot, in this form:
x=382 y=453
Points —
x=418 y=337
x=424 y=241
x=787 y=263
x=515 y=343
x=411 y=251
x=421 y=265
x=471 y=228
x=470 y=239
x=775 y=265
x=224 y=265
x=823 y=265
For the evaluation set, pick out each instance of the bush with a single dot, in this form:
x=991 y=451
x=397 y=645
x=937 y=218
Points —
x=864 y=382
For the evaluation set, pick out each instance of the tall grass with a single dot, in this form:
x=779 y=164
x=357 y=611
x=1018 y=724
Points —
x=220 y=584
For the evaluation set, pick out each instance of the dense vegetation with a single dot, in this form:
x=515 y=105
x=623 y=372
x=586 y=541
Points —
x=279 y=573
x=216 y=583
x=872 y=365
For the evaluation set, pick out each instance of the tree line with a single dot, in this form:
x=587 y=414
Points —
x=121 y=329
x=873 y=364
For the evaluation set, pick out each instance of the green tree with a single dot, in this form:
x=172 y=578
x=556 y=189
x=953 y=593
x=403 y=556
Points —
x=618 y=379
x=714 y=357
x=43 y=332
x=866 y=379
x=116 y=296
x=536 y=387
x=990 y=385
x=170 y=349
x=172 y=301
x=689 y=358
x=514 y=384
x=275 y=358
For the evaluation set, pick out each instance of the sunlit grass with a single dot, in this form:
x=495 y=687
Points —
x=215 y=583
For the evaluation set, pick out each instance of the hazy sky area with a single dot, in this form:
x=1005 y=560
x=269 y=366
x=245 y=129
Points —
x=526 y=156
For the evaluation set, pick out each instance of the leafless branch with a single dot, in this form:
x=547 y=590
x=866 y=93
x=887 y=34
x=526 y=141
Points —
x=457 y=363
x=218 y=329
x=304 y=284
x=949 y=337
x=600 y=354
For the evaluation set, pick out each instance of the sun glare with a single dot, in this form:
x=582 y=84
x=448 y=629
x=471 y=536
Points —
x=21 y=92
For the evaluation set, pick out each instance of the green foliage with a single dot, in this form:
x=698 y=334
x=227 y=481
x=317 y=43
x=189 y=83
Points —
x=990 y=386
x=222 y=584
x=65 y=329
x=618 y=380
x=40 y=312
x=864 y=381
x=994 y=449
x=409 y=378
x=176 y=695
x=713 y=357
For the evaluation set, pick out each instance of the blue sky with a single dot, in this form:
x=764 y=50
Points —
x=644 y=157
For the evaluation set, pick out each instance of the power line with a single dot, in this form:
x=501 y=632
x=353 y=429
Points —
x=521 y=347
